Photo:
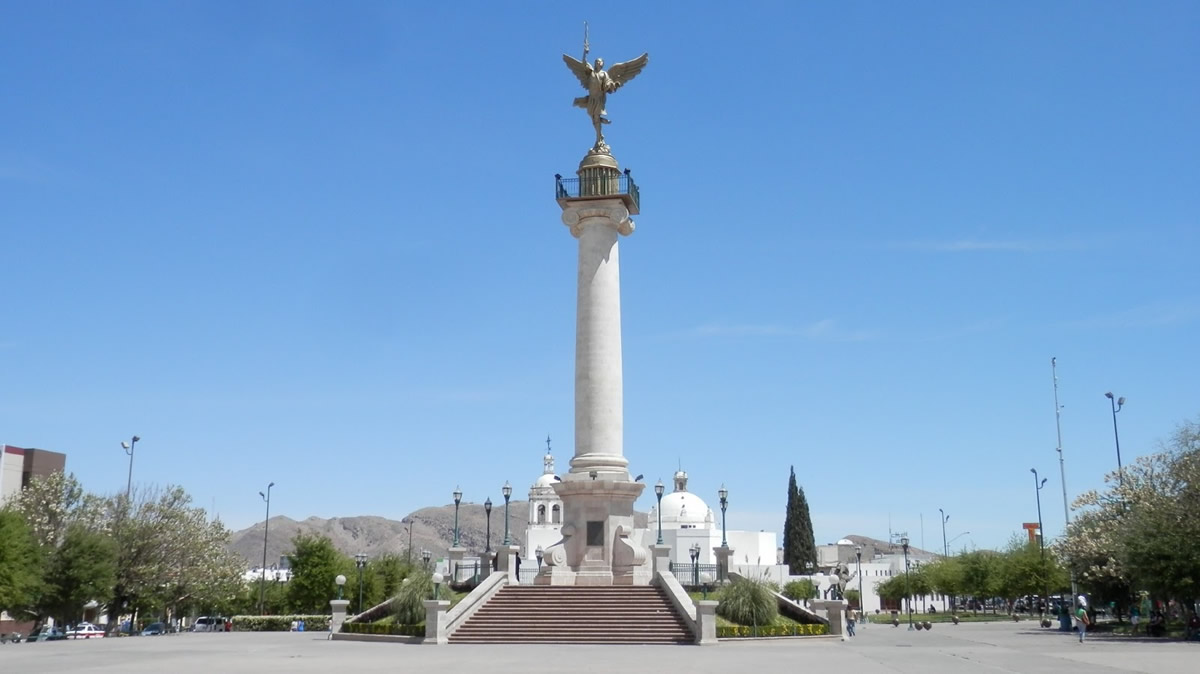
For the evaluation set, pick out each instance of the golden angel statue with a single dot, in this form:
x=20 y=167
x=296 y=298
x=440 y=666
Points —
x=599 y=84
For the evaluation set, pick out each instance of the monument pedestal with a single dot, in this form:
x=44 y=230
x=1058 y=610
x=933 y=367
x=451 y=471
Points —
x=723 y=554
x=597 y=525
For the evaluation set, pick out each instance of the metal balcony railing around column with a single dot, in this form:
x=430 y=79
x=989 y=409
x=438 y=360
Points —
x=619 y=185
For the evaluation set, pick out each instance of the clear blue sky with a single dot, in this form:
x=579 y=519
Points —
x=317 y=244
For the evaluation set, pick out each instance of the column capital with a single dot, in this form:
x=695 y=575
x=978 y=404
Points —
x=609 y=212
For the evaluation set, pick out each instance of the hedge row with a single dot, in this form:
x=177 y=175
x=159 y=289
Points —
x=279 y=623
x=794 y=630
x=376 y=628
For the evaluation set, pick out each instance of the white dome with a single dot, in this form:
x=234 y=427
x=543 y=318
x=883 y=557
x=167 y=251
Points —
x=845 y=541
x=545 y=480
x=684 y=509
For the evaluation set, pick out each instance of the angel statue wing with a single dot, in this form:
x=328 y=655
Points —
x=581 y=69
x=620 y=73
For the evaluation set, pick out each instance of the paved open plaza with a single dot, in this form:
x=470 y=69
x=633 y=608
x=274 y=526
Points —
x=989 y=647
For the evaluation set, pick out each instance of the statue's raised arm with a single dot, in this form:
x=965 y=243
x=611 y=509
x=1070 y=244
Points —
x=599 y=84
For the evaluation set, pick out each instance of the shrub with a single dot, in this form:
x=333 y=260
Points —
x=747 y=601
x=799 y=590
x=279 y=623
x=793 y=630
x=384 y=628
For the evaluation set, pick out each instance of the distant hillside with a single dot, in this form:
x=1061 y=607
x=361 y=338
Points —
x=433 y=530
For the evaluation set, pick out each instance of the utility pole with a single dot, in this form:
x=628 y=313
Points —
x=1062 y=471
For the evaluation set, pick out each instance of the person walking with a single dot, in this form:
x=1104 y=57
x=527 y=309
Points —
x=851 y=618
x=1081 y=615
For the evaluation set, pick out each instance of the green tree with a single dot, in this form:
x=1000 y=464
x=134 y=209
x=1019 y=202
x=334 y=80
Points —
x=800 y=590
x=315 y=563
x=81 y=569
x=170 y=556
x=979 y=574
x=20 y=564
x=799 y=545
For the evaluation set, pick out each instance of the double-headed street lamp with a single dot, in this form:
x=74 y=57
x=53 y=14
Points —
x=904 y=544
x=1117 y=404
x=723 y=494
x=128 y=447
x=507 y=491
x=360 y=560
x=487 y=509
x=658 y=494
x=457 y=500
x=262 y=585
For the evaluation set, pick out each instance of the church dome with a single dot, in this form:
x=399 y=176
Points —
x=545 y=480
x=682 y=509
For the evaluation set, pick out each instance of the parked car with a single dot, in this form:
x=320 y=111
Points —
x=154 y=629
x=48 y=634
x=14 y=637
x=87 y=631
x=209 y=624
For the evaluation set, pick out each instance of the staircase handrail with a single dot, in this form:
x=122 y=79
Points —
x=474 y=601
x=684 y=606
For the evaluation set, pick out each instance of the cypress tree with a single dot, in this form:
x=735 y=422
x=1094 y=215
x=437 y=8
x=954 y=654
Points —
x=799 y=546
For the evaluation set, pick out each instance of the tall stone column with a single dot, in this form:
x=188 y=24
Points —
x=597 y=492
x=599 y=396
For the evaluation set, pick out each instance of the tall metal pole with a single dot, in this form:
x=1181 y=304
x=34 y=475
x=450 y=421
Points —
x=487 y=509
x=946 y=550
x=507 y=491
x=262 y=585
x=858 y=569
x=658 y=494
x=904 y=544
x=723 y=495
x=1117 y=404
x=1041 y=535
x=129 y=450
x=1062 y=469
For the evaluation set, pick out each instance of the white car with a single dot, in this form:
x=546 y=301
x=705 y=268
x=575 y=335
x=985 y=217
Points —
x=86 y=632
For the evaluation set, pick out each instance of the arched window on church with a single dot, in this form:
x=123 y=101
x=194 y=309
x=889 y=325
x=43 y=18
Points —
x=541 y=517
x=556 y=515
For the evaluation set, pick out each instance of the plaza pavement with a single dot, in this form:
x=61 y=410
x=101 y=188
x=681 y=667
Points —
x=976 y=647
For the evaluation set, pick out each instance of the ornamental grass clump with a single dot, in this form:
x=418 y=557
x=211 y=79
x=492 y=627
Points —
x=407 y=606
x=748 y=601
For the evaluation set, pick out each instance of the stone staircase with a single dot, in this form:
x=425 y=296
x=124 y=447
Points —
x=575 y=615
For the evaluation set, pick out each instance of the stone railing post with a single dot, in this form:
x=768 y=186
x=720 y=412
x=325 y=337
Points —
x=435 y=621
x=508 y=562
x=339 y=615
x=706 y=623
x=660 y=559
x=455 y=557
x=485 y=565
x=723 y=553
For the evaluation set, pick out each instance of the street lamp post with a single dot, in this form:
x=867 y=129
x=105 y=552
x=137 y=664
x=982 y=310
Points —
x=904 y=544
x=946 y=549
x=360 y=560
x=457 y=500
x=1041 y=535
x=408 y=530
x=128 y=447
x=262 y=585
x=340 y=580
x=1117 y=404
x=723 y=494
x=425 y=557
x=487 y=509
x=858 y=570
x=1062 y=467
x=437 y=585
x=507 y=491
x=658 y=493
x=695 y=552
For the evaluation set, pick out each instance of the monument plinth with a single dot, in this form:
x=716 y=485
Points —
x=598 y=493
